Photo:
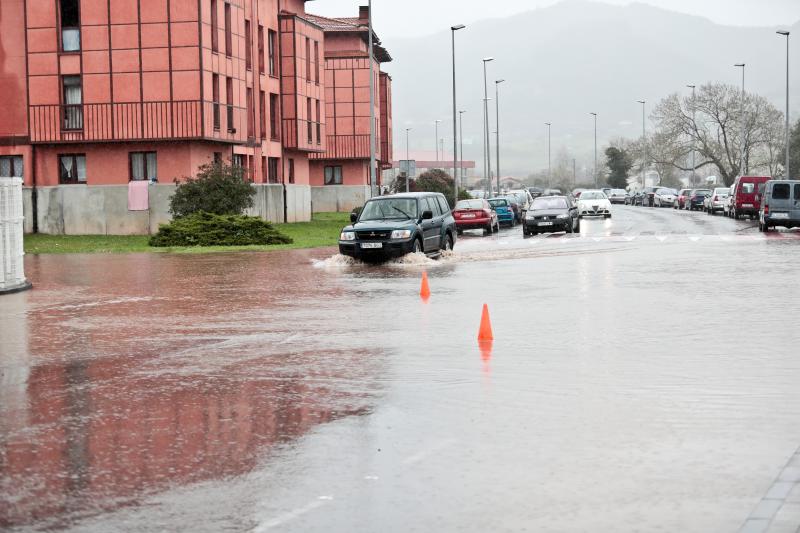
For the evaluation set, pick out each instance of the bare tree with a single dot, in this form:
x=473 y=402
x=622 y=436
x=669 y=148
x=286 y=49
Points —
x=712 y=124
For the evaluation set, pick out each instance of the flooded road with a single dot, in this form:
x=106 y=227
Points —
x=644 y=377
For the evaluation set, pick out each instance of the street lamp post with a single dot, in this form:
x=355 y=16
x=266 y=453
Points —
x=372 y=134
x=595 y=148
x=694 y=121
x=497 y=117
x=644 y=144
x=453 y=30
x=461 y=142
x=408 y=161
x=787 y=174
x=548 y=124
x=486 y=142
x=436 y=138
x=742 y=165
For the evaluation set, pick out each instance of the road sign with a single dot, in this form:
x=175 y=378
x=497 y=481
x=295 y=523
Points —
x=408 y=168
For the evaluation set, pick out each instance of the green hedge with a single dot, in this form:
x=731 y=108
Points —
x=206 y=229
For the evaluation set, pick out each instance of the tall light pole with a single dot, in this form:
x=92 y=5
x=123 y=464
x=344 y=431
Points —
x=487 y=144
x=408 y=161
x=787 y=174
x=595 y=148
x=372 y=140
x=436 y=138
x=548 y=153
x=694 y=121
x=453 y=30
x=742 y=165
x=461 y=141
x=644 y=144
x=497 y=117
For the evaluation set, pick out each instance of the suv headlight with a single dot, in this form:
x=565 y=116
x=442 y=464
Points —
x=347 y=236
x=401 y=234
x=562 y=216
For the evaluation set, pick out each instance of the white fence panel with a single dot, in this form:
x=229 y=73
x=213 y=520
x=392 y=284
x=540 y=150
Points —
x=12 y=275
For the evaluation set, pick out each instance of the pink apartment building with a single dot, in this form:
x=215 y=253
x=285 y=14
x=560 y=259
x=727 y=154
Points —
x=102 y=92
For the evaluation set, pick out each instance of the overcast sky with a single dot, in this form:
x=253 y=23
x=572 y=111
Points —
x=394 y=18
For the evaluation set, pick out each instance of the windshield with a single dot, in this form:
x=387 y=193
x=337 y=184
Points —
x=722 y=192
x=663 y=192
x=470 y=204
x=702 y=192
x=593 y=195
x=550 y=203
x=498 y=203
x=390 y=209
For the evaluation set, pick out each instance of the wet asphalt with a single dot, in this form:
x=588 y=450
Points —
x=644 y=377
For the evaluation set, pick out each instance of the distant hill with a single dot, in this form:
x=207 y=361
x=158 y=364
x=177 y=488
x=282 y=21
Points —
x=567 y=60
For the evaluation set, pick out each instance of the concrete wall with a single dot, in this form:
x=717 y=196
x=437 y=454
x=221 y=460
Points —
x=103 y=209
x=338 y=198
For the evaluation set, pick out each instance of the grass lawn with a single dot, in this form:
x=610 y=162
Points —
x=323 y=230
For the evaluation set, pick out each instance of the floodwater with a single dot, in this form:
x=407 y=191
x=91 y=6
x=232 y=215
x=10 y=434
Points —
x=644 y=377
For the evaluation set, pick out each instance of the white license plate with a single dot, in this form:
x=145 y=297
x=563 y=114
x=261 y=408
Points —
x=779 y=215
x=371 y=245
x=545 y=224
x=468 y=216
x=747 y=205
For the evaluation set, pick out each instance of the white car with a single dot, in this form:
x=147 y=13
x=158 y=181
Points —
x=716 y=200
x=594 y=204
x=665 y=197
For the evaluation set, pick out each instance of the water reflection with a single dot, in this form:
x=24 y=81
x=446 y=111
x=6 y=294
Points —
x=142 y=373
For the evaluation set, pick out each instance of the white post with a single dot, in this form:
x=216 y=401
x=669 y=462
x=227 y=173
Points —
x=12 y=252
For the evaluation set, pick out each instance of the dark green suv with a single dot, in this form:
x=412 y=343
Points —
x=393 y=226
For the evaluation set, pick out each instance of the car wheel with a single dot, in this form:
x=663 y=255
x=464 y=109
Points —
x=448 y=243
x=608 y=216
x=766 y=228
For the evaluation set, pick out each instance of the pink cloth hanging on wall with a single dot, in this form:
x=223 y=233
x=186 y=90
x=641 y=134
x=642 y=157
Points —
x=138 y=196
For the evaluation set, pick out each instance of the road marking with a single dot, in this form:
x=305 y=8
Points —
x=292 y=515
x=769 y=506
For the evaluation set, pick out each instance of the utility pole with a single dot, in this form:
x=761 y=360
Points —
x=461 y=141
x=408 y=162
x=497 y=133
x=549 y=168
x=436 y=138
x=787 y=173
x=453 y=30
x=694 y=144
x=372 y=134
x=742 y=165
x=644 y=145
x=488 y=154
x=595 y=148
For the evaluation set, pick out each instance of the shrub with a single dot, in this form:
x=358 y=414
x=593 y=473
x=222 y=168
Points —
x=208 y=229
x=218 y=188
x=434 y=180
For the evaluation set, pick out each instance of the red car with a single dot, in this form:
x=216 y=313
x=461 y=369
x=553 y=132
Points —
x=747 y=192
x=682 y=202
x=475 y=214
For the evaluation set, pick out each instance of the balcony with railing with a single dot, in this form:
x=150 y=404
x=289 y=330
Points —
x=136 y=121
x=346 y=147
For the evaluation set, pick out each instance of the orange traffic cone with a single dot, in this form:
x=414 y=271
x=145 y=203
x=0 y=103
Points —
x=485 y=333
x=425 y=290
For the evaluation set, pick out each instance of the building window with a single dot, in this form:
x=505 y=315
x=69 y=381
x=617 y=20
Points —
x=248 y=45
x=214 y=26
x=251 y=126
x=262 y=107
x=308 y=59
x=228 y=31
x=73 y=100
x=11 y=166
x=316 y=61
x=238 y=161
x=309 y=121
x=333 y=175
x=273 y=117
x=72 y=168
x=70 y=26
x=319 y=123
x=215 y=91
x=272 y=47
x=291 y=170
x=272 y=171
x=229 y=102
x=144 y=166
x=261 y=49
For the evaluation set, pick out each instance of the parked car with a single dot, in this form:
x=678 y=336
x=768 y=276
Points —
x=606 y=190
x=682 y=202
x=535 y=191
x=524 y=196
x=665 y=197
x=393 y=226
x=747 y=193
x=697 y=199
x=617 y=196
x=648 y=196
x=552 y=192
x=550 y=214
x=504 y=210
x=516 y=206
x=475 y=214
x=780 y=205
x=594 y=204
x=634 y=198
x=716 y=200
x=727 y=209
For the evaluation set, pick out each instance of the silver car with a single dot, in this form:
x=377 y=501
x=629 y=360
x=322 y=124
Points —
x=716 y=200
x=665 y=197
